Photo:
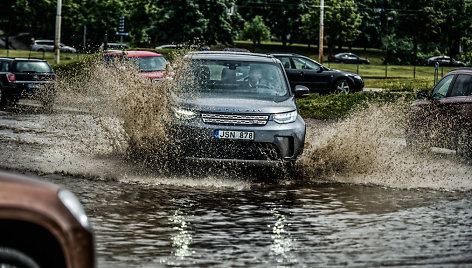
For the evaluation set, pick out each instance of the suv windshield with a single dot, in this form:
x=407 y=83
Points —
x=32 y=67
x=239 y=78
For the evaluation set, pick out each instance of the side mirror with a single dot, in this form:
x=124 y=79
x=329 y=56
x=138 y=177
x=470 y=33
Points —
x=422 y=94
x=301 y=91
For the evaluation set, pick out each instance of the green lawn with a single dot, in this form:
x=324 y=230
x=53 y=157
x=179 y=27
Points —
x=49 y=56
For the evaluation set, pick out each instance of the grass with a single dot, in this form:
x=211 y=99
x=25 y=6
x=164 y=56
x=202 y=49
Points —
x=49 y=56
x=336 y=106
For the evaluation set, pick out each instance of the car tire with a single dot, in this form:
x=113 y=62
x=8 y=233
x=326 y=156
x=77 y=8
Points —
x=464 y=145
x=13 y=258
x=342 y=86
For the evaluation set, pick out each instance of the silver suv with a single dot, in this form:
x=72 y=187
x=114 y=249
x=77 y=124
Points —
x=48 y=45
x=238 y=108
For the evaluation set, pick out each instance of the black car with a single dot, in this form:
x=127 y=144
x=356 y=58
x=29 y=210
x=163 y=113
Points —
x=23 y=78
x=443 y=61
x=347 y=57
x=318 y=78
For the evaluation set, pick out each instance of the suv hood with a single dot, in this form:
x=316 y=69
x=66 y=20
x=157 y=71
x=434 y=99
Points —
x=237 y=105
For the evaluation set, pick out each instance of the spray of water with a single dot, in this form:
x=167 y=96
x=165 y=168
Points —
x=368 y=147
x=133 y=116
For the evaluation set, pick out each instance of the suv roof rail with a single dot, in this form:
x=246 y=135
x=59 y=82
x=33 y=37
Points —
x=232 y=53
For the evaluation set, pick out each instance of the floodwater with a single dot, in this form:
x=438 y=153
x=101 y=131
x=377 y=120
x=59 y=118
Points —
x=357 y=198
x=334 y=216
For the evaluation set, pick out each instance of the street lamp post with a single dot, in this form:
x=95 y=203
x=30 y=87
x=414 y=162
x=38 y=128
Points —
x=57 y=37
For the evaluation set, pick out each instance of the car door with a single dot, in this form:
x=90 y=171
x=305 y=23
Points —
x=425 y=116
x=292 y=73
x=456 y=108
x=310 y=74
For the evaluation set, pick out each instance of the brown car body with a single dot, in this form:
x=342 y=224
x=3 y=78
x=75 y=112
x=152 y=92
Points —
x=443 y=117
x=34 y=221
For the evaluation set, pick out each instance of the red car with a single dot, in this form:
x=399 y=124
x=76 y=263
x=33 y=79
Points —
x=150 y=64
x=42 y=225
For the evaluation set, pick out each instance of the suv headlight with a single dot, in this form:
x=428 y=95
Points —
x=71 y=202
x=184 y=114
x=284 y=118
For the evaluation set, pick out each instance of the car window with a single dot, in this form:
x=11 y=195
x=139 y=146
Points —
x=440 y=90
x=4 y=66
x=223 y=77
x=285 y=62
x=462 y=86
x=32 y=66
x=149 y=64
x=301 y=63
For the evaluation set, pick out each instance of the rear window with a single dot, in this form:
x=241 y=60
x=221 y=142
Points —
x=32 y=67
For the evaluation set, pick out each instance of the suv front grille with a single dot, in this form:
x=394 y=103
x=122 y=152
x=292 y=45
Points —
x=235 y=119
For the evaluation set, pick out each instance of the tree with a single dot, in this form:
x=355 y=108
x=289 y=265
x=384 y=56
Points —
x=341 y=21
x=256 y=31
x=283 y=16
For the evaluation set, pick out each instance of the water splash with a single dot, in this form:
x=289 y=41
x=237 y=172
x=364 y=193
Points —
x=369 y=148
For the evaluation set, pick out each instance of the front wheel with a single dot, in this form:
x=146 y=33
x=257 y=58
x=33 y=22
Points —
x=342 y=86
x=10 y=257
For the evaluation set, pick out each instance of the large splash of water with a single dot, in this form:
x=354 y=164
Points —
x=367 y=147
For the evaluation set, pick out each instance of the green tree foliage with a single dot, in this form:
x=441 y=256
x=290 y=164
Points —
x=256 y=31
x=282 y=16
x=341 y=21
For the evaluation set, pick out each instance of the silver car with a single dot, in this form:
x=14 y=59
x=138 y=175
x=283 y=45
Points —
x=48 y=45
x=238 y=108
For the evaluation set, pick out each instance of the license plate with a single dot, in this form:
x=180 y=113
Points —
x=33 y=86
x=234 y=135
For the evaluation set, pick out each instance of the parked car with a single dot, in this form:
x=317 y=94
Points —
x=443 y=117
x=112 y=46
x=42 y=225
x=318 y=78
x=150 y=64
x=236 y=49
x=240 y=109
x=443 y=61
x=48 y=45
x=347 y=57
x=182 y=46
x=26 y=78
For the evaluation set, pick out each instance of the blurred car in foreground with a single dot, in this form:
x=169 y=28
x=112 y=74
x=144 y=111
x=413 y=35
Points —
x=443 y=117
x=443 y=61
x=23 y=78
x=48 y=45
x=42 y=225
x=347 y=57
x=149 y=63
x=318 y=78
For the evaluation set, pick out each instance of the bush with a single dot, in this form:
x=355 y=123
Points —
x=340 y=105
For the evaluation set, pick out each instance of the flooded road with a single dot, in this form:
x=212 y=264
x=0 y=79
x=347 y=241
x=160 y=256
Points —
x=354 y=201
